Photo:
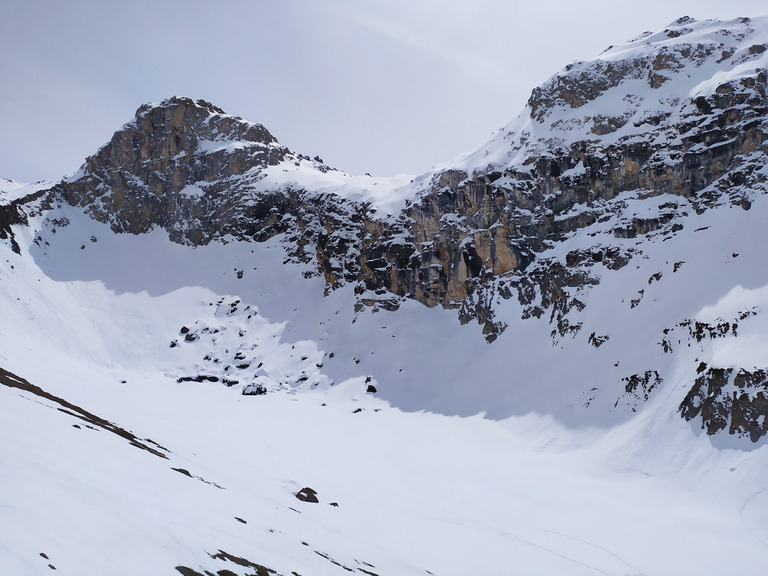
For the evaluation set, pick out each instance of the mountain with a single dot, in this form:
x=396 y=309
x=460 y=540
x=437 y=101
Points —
x=220 y=356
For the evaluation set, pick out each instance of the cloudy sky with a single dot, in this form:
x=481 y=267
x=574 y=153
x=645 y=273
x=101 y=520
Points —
x=379 y=86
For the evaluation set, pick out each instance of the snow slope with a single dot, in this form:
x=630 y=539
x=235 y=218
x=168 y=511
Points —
x=423 y=481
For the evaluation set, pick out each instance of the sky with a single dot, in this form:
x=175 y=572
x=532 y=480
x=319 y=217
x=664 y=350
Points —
x=379 y=86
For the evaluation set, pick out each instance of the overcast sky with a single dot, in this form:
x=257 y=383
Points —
x=379 y=86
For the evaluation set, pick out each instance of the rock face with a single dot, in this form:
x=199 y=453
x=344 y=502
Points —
x=171 y=167
x=726 y=398
x=12 y=213
x=681 y=113
x=9 y=214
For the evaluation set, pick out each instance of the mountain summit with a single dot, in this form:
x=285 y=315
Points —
x=164 y=167
x=551 y=349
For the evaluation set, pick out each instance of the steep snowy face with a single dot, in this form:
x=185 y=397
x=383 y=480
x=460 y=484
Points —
x=650 y=91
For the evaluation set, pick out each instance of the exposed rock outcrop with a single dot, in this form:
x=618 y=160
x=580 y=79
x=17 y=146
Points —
x=14 y=213
x=727 y=398
x=173 y=167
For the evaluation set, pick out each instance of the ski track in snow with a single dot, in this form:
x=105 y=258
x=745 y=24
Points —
x=754 y=514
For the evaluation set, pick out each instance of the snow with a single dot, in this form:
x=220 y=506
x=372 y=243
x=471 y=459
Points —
x=212 y=146
x=192 y=190
x=486 y=447
x=747 y=69
x=747 y=350
x=385 y=194
x=11 y=190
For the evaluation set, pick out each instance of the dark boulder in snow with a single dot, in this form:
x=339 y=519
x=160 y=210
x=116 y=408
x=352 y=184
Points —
x=254 y=390
x=198 y=378
x=307 y=495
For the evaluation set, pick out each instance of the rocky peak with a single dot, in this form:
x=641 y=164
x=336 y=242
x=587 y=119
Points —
x=173 y=166
x=180 y=125
x=177 y=127
x=687 y=52
x=644 y=85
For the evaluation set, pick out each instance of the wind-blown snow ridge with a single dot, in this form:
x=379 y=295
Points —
x=11 y=190
x=387 y=194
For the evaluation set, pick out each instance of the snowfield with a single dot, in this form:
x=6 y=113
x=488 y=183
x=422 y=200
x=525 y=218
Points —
x=468 y=458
